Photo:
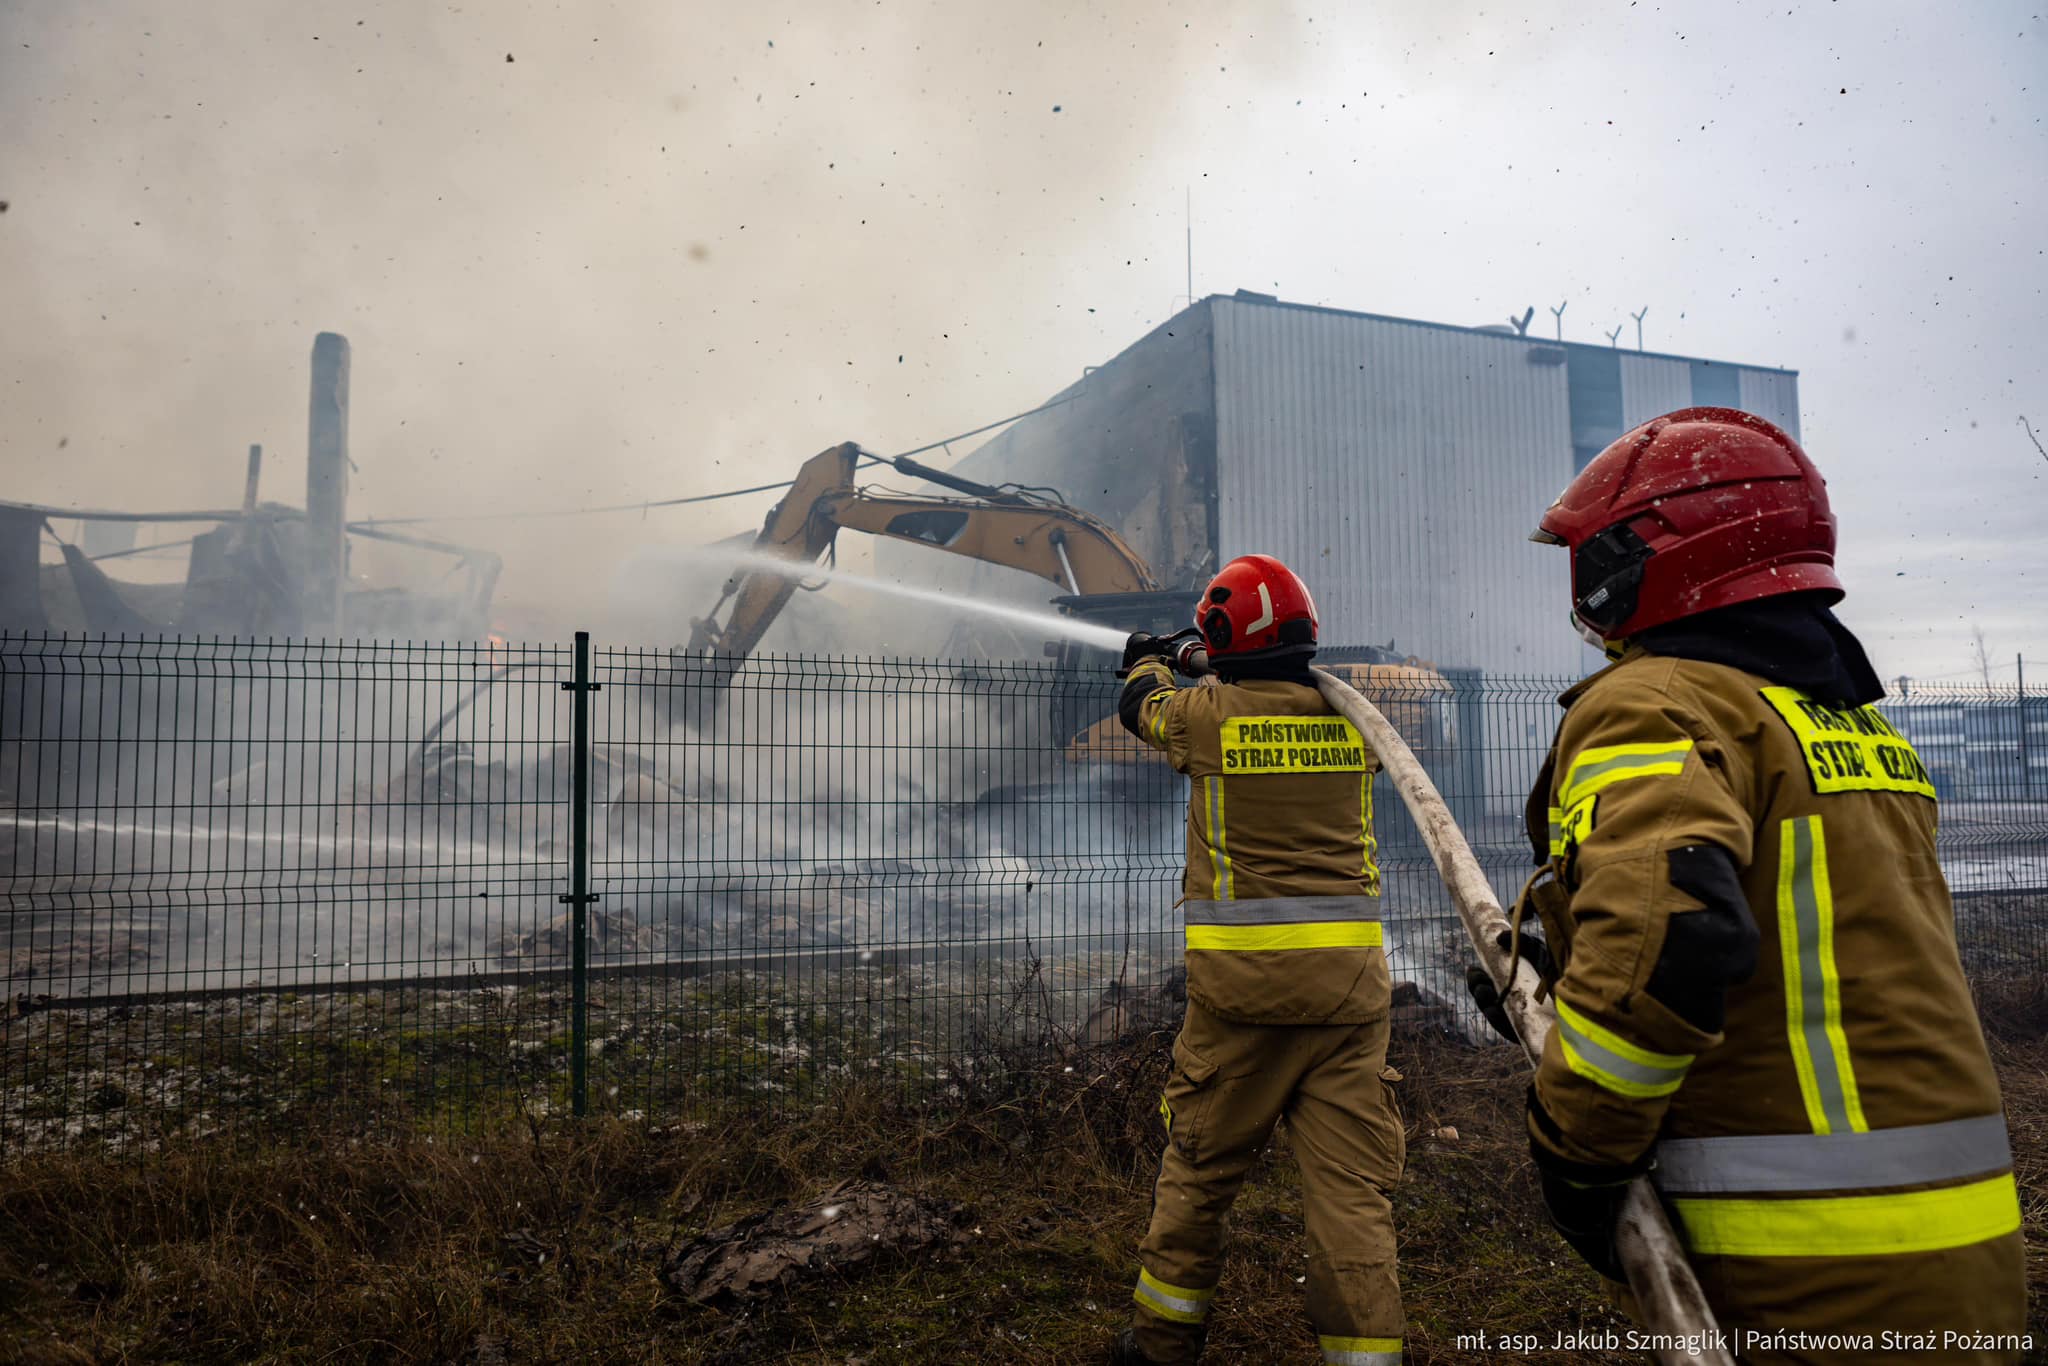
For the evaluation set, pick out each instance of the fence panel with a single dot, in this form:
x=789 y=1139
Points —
x=815 y=867
x=242 y=877
x=247 y=879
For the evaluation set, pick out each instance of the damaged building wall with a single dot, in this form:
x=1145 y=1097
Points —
x=1132 y=442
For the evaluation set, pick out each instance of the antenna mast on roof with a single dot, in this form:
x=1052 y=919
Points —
x=1558 y=313
x=1614 y=337
x=1521 y=324
x=1639 y=326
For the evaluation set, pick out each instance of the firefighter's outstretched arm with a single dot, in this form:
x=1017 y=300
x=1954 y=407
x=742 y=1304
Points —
x=1650 y=836
x=1148 y=687
x=1146 y=706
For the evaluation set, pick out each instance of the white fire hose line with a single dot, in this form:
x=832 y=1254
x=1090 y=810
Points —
x=1672 y=1306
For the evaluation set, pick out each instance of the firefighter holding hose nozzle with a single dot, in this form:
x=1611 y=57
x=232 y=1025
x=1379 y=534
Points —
x=1750 y=942
x=1287 y=982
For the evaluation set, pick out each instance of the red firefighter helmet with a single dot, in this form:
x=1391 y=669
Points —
x=1256 y=606
x=1698 y=509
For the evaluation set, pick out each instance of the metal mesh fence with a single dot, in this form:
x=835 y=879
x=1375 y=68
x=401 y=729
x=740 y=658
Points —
x=243 y=878
x=246 y=882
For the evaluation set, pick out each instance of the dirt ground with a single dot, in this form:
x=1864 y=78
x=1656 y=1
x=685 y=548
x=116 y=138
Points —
x=1005 y=1231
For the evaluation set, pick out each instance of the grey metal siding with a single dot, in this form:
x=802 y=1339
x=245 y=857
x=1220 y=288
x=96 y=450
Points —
x=1772 y=394
x=1400 y=468
x=1593 y=383
x=1715 y=385
x=1652 y=386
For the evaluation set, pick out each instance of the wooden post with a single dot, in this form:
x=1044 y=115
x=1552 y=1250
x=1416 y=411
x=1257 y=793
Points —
x=1670 y=1299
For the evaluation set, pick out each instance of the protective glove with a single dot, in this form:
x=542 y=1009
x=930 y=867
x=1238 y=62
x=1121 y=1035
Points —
x=1141 y=645
x=1583 y=1199
x=1487 y=997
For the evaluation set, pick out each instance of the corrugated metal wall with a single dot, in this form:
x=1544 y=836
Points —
x=1773 y=394
x=1399 y=467
x=1652 y=386
x=1398 y=464
x=1402 y=464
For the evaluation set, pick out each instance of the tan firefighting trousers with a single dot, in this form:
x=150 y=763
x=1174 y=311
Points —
x=1231 y=1082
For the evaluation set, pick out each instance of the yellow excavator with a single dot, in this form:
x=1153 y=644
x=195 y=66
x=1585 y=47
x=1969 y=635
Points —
x=1022 y=528
x=1105 y=582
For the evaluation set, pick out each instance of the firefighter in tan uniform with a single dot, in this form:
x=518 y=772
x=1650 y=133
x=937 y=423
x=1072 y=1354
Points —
x=1759 y=1000
x=1287 y=982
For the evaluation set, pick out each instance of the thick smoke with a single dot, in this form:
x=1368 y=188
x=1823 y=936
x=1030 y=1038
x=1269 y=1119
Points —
x=583 y=255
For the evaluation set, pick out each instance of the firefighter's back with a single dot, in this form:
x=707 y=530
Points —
x=1282 y=877
x=1840 y=1161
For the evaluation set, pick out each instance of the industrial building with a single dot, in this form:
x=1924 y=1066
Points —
x=1399 y=465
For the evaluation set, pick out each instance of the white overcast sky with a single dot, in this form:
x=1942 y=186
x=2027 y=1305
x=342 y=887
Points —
x=674 y=248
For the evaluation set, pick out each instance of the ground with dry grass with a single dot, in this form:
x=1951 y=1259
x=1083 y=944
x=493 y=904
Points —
x=548 y=1241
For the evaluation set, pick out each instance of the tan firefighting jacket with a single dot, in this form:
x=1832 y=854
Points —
x=1848 y=1106
x=1282 y=880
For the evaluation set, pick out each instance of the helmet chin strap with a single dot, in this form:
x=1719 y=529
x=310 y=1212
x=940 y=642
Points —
x=1613 y=649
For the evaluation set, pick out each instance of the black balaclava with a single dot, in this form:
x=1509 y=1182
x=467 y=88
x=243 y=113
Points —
x=1792 y=639
x=1288 y=667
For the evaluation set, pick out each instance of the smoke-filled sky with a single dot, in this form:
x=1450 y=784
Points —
x=594 y=253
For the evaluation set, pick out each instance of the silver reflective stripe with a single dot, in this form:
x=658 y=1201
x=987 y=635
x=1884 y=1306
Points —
x=1177 y=1307
x=1345 y=1351
x=1577 y=779
x=1219 y=855
x=1361 y=1358
x=1876 y=1160
x=1607 y=1060
x=1819 y=1026
x=1280 y=910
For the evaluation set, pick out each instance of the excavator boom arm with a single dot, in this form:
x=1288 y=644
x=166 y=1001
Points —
x=794 y=532
x=1060 y=544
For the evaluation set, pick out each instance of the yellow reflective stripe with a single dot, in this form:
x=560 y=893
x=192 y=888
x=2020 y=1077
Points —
x=1605 y=765
x=1314 y=934
x=1613 y=1063
x=1360 y=1351
x=1159 y=716
x=1219 y=854
x=1614 y=1043
x=1852 y=1225
x=1366 y=837
x=1166 y=1113
x=1813 y=983
x=1173 y=1302
x=1557 y=832
x=1831 y=978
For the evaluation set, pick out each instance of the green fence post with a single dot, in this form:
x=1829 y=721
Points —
x=580 y=896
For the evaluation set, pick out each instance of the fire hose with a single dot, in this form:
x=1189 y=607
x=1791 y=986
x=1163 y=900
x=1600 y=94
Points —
x=1672 y=1308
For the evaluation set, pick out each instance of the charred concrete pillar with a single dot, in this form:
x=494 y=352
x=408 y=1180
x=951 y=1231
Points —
x=253 y=479
x=21 y=570
x=327 y=486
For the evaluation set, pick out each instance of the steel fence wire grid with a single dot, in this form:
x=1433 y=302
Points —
x=440 y=886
